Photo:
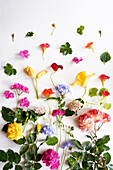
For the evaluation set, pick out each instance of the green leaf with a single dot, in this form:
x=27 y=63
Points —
x=88 y=146
x=51 y=140
x=106 y=139
x=28 y=165
x=89 y=137
x=93 y=92
x=55 y=98
x=65 y=49
x=17 y=158
x=106 y=148
x=99 y=141
x=9 y=70
x=108 y=157
x=29 y=34
x=37 y=166
x=10 y=154
x=77 y=155
x=77 y=144
x=3 y=156
x=38 y=157
x=69 y=113
x=111 y=166
x=7 y=114
x=8 y=166
x=18 y=167
x=72 y=161
x=80 y=30
x=5 y=127
x=107 y=106
x=29 y=156
x=31 y=138
x=103 y=89
x=105 y=57
x=20 y=141
x=23 y=149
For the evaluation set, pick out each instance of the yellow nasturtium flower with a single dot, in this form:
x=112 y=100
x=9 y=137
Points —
x=14 y=131
x=31 y=72
x=42 y=73
x=82 y=79
x=39 y=127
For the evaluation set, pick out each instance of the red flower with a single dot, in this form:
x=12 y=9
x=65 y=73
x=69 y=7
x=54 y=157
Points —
x=96 y=115
x=85 y=122
x=103 y=78
x=48 y=92
x=105 y=93
x=45 y=45
x=106 y=118
x=89 y=45
x=55 y=67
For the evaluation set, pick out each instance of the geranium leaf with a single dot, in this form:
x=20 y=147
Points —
x=80 y=30
x=9 y=70
x=65 y=49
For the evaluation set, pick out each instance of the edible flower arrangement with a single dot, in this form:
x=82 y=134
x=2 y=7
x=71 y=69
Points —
x=91 y=155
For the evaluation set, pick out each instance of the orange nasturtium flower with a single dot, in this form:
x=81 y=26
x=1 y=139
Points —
x=89 y=45
x=48 y=92
x=44 y=46
x=82 y=79
x=14 y=131
x=103 y=78
x=33 y=74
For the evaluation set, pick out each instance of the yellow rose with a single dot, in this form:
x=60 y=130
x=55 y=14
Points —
x=31 y=72
x=39 y=127
x=14 y=131
x=42 y=73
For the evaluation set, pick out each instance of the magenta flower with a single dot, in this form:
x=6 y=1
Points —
x=51 y=158
x=24 y=102
x=8 y=95
x=24 y=54
x=20 y=87
x=58 y=112
x=76 y=60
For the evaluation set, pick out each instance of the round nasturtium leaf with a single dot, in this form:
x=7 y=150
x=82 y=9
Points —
x=105 y=57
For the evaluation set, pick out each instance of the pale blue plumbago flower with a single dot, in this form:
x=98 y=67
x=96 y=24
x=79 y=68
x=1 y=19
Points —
x=48 y=130
x=67 y=145
x=63 y=89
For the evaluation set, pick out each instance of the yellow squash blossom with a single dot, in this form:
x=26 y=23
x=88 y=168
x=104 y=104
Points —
x=82 y=79
x=31 y=72
x=39 y=127
x=42 y=73
x=14 y=131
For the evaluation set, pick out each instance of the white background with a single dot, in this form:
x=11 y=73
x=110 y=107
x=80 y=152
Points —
x=21 y=16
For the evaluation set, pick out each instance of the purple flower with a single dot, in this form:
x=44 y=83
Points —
x=63 y=89
x=67 y=144
x=24 y=54
x=48 y=130
x=24 y=102
x=76 y=60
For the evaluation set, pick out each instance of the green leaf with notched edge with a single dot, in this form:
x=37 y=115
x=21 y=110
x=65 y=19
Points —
x=80 y=30
x=8 y=114
x=29 y=34
x=3 y=156
x=23 y=149
x=105 y=57
x=51 y=140
x=93 y=92
x=108 y=157
x=65 y=49
x=77 y=144
x=9 y=70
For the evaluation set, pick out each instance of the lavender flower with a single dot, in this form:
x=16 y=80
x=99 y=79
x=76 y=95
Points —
x=67 y=145
x=63 y=89
x=48 y=130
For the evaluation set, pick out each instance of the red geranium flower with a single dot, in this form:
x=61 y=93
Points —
x=44 y=46
x=105 y=93
x=55 y=66
x=48 y=92
x=89 y=45
x=103 y=78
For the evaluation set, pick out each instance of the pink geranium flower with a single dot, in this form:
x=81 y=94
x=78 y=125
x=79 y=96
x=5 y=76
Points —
x=76 y=60
x=58 y=112
x=24 y=54
x=24 y=102
x=8 y=95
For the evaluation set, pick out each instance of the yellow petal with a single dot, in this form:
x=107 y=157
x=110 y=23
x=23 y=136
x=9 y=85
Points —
x=39 y=127
x=42 y=73
x=30 y=71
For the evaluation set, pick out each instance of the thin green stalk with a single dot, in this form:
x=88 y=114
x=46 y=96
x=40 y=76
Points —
x=60 y=139
x=85 y=92
x=50 y=111
x=52 y=79
x=37 y=88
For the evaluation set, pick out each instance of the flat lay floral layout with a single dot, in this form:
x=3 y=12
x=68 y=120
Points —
x=93 y=154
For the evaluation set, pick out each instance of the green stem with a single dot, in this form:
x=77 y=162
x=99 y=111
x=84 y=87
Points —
x=50 y=112
x=52 y=79
x=60 y=138
x=84 y=92
x=25 y=124
x=37 y=88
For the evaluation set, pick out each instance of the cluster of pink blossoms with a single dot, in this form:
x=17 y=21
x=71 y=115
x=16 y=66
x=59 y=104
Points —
x=51 y=158
x=87 y=120
x=20 y=87
x=58 y=112
x=8 y=95
x=24 y=102
x=24 y=54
